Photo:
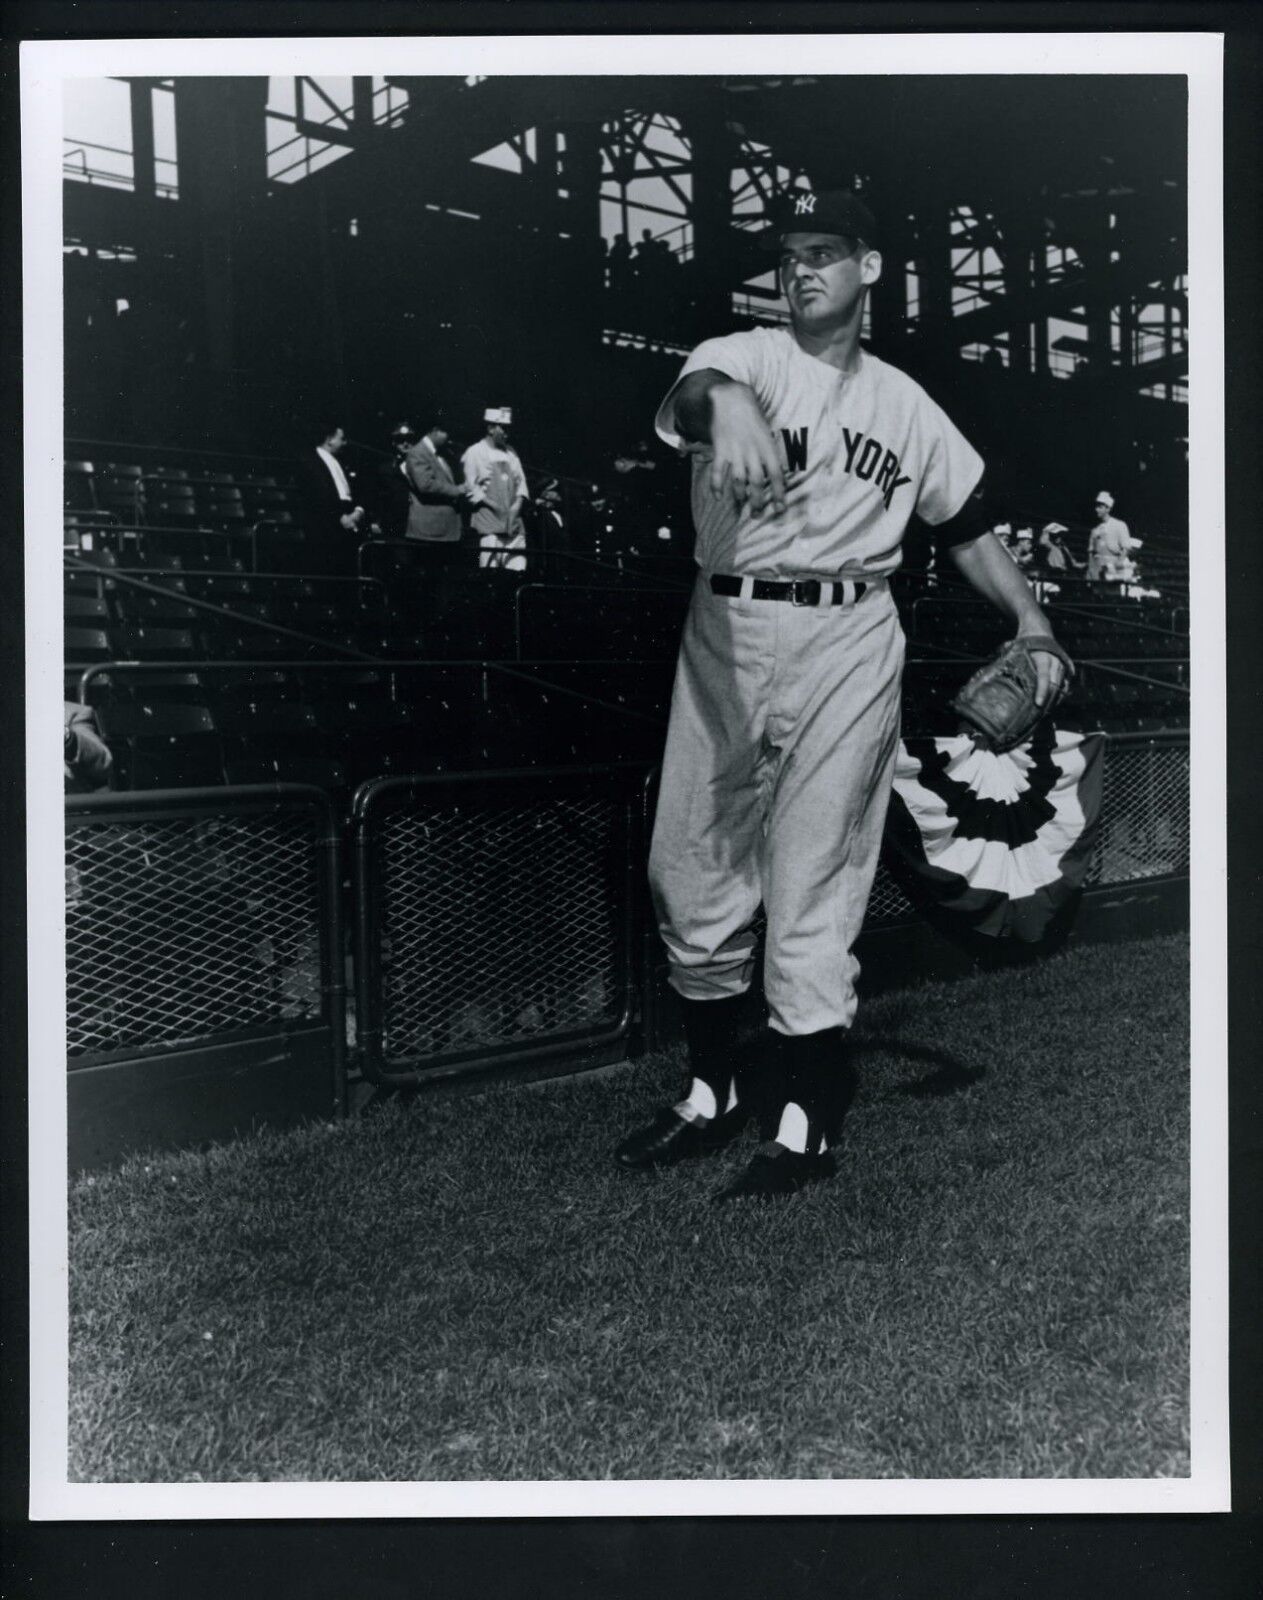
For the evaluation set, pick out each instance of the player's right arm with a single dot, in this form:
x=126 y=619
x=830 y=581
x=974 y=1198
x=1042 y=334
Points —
x=715 y=410
x=474 y=492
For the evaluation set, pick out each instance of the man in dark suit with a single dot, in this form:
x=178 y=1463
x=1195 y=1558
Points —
x=331 y=513
x=393 y=494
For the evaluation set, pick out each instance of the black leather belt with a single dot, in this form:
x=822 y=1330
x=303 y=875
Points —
x=799 y=592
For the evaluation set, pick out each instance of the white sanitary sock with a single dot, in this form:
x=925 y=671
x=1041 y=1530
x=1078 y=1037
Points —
x=792 y=1132
x=700 y=1104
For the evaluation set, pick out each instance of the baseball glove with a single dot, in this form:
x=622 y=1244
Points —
x=997 y=705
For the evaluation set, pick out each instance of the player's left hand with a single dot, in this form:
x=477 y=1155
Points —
x=1050 y=670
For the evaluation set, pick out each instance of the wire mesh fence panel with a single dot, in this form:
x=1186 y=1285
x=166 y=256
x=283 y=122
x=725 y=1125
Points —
x=501 y=920
x=887 y=902
x=1144 y=827
x=184 y=928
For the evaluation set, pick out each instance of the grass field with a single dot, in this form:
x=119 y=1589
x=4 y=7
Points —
x=465 y=1287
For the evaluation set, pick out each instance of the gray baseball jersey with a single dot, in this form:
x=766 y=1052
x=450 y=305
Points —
x=863 y=451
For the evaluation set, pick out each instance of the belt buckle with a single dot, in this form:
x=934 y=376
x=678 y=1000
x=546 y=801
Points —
x=805 y=592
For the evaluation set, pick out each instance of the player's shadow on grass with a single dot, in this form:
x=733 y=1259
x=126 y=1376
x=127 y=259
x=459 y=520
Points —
x=947 y=1074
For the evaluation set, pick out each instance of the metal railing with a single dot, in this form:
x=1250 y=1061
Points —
x=498 y=917
x=175 y=577
x=670 y=625
x=1114 y=612
x=224 y=613
x=541 y=557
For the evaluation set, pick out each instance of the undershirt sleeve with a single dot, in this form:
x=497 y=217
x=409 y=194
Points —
x=736 y=355
x=969 y=523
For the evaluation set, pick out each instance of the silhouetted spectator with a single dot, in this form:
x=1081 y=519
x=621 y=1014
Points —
x=618 y=264
x=392 y=496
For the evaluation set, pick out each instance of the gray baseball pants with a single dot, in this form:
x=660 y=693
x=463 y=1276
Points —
x=775 y=781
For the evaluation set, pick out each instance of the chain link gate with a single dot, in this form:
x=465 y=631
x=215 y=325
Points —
x=203 y=964
x=497 y=918
x=1145 y=811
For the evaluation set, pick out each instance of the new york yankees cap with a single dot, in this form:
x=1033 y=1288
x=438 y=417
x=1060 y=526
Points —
x=826 y=211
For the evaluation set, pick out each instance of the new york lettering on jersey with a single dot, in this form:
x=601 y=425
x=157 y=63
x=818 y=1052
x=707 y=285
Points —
x=865 y=456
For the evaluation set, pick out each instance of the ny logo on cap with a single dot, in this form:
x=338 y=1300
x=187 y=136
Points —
x=804 y=205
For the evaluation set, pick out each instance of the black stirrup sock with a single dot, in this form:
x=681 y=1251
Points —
x=711 y=1029
x=819 y=1083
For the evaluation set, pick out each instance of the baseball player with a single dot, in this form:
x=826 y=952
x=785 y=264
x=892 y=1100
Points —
x=809 y=456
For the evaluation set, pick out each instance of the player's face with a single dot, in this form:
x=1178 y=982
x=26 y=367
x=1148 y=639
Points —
x=824 y=275
x=1102 y=511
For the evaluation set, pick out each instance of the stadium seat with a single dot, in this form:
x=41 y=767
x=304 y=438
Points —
x=220 y=589
x=272 y=721
x=167 y=475
x=278 y=740
x=163 y=689
x=325 y=772
x=221 y=505
x=311 y=617
x=171 y=505
x=79 y=494
x=84 y=583
x=88 y=644
x=120 y=488
x=161 y=746
x=250 y=605
x=142 y=641
x=86 y=610
x=235 y=688
x=162 y=610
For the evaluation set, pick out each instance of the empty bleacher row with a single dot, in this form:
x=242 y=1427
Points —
x=313 y=723
x=179 y=497
x=253 y=707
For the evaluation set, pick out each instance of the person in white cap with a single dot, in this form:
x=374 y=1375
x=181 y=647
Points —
x=495 y=485
x=1110 y=544
x=1023 y=551
x=1057 y=556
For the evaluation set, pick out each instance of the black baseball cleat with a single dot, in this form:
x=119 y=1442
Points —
x=670 y=1138
x=775 y=1171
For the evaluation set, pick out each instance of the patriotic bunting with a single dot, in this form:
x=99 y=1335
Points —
x=996 y=845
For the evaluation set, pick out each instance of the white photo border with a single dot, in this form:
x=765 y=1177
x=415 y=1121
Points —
x=45 y=66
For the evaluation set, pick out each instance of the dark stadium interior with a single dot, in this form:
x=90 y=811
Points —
x=1035 y=256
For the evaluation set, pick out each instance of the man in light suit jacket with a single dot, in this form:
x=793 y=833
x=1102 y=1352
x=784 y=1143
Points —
x=437 y=499
x=434 y=511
